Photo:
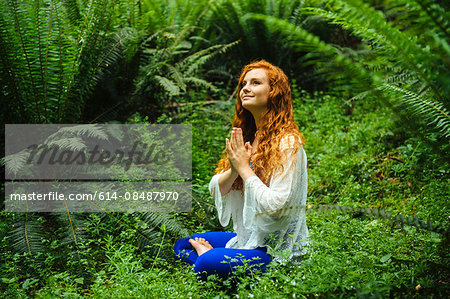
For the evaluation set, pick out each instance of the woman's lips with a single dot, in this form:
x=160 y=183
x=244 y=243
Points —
x=246 y=97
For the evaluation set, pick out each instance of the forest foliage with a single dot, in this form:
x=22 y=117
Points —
x=370 y=81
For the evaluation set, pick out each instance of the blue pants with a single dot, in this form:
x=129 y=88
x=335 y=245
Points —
x=220 y=260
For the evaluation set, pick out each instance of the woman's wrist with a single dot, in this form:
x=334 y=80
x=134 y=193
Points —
x=245 y=172
x=226 y=180
x=233 y=173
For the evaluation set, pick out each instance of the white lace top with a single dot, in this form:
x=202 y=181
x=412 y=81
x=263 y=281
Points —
x=272 y=216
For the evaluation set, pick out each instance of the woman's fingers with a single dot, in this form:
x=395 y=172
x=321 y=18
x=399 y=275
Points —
x=239 y=138
x=230 y=155
x=229 y=148
x=233 y=137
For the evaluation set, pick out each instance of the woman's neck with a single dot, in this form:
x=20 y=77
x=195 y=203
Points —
x=257 y=117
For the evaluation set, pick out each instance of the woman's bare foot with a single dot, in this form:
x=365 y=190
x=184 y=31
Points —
x=200 y=245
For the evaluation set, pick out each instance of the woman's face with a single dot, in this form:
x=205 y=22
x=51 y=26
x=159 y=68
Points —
x=254 y=91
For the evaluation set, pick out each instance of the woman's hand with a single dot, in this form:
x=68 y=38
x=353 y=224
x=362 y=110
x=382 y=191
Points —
x=238 y=153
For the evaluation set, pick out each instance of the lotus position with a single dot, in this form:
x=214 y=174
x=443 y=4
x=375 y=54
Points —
x=260 y=181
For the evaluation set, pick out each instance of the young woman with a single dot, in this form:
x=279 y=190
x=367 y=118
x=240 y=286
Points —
x=261 y=181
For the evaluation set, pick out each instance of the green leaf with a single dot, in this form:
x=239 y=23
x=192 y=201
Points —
x=385 y=258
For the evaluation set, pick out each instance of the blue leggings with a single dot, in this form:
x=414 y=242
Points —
x=211 y=262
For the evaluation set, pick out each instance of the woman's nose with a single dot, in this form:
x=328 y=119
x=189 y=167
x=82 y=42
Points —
x=246 y=88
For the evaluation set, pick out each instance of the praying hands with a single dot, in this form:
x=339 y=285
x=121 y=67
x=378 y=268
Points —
x=239 y=154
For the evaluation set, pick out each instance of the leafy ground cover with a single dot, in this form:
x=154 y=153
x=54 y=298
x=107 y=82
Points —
x=386 y=149
x=357 y=156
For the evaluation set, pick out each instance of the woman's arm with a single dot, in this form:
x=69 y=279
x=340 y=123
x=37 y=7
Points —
x=226 y=180
x=227 y=204
x=267 y=207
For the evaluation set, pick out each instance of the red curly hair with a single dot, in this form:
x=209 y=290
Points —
x=276 y=122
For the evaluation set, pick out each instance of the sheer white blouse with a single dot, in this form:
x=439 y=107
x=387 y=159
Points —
x=272 y=216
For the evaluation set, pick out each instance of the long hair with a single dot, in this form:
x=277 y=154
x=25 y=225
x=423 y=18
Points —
x=276 y=122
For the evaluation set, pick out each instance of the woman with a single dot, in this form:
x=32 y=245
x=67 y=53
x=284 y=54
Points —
x=261 y=181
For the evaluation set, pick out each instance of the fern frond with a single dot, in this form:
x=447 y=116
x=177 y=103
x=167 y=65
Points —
x=431 y=111
x=403 y=78
x=73 y=235
x=87 y=131
x=168 y=85
x=9 y=72
x=167 y=13
x=15 y=162
x=148 y=237
x=201 y=83
x=437 y=15
x=196 y=60
x=26 y=236
x=72 y=144
x=19 y=17
x=177 y=76
x=331 y=61
x=74 y=227
x=157 y=218
x=73 y=11
x=365 y=22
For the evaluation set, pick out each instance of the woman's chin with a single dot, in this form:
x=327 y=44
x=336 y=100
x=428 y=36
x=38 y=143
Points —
x=247 y=107
x=247 y=104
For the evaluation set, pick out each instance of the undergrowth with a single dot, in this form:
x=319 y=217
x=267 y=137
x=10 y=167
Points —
x=358 y=155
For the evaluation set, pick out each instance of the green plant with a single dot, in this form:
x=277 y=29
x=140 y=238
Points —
x=229 y=21
x=53 y=53
x=397 y=65
x=159 y=15
x=168 y=70
x=58 y=240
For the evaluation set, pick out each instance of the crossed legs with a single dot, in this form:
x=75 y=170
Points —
x=207 y=252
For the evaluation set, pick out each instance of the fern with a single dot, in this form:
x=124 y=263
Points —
x=432 y=111
x=231 y=20
x=158 y=218
x=89 y=131
x=201 y=83
x=168 y=71
x=168 y=85
x=198 y=59
x=371 y=26
x=15 y=162
x=389 y=50
x=54 y=52
x=72 y=227
x=169 y=13
x=26 y=237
